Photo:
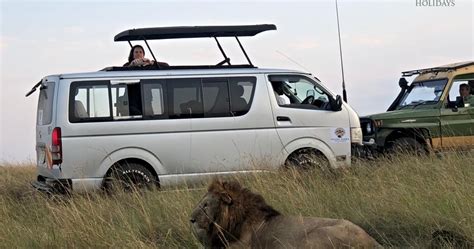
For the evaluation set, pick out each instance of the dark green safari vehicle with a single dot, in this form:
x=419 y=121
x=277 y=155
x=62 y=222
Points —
x=428 y=115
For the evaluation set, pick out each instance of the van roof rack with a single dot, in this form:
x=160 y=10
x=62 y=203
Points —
x=160 y=33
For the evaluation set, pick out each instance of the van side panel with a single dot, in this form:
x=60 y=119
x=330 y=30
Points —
x=131 y=152
x=238 y=143
x=325 y=130
x=83 y=154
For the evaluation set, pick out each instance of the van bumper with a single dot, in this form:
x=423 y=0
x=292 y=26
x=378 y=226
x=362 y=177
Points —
x=42 y=187
x=368 y=150
x=50 y=185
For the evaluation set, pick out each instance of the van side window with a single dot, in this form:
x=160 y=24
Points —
x=241 y=94
x=216 y=97
x=161 y=99
x=299 y=92
x=154 y=98
x=120 y=101
x=99 y=103
x=89 y=101
x=80 y=103
x=185 y=98
x=126 y=101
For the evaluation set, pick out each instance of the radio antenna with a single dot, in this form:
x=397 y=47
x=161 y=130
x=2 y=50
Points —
x=288 y=58
x=344 y=94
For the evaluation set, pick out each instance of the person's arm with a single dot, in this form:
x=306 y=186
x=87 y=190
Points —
x=140 y=62
x=469 y=100
x=281 y=100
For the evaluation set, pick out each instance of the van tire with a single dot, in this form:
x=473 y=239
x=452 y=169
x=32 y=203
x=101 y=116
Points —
x=309 y=159
x=406 y=146
x=129 y=176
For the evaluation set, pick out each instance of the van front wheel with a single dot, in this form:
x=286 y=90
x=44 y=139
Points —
x=307 y=159
x=129 y=176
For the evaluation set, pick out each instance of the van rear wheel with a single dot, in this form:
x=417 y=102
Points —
x=129 y=176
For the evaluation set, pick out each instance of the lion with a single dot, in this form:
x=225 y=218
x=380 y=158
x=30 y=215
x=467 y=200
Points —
x=229 y=216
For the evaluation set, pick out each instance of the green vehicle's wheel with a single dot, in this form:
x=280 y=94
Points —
x=407 y=146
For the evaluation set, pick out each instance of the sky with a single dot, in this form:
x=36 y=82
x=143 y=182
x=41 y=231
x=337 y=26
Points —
x=380 y=39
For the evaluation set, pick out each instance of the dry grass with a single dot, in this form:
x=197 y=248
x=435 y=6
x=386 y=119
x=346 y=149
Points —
x=400 y=203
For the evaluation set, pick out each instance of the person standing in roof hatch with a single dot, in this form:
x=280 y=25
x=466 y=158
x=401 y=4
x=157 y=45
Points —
x=137 y=57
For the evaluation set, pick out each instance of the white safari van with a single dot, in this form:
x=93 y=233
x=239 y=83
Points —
x=166 y=125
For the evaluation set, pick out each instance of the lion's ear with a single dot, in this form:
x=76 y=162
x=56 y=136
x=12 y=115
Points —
x=226 y=198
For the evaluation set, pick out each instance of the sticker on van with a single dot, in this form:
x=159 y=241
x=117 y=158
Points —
x=339 y=135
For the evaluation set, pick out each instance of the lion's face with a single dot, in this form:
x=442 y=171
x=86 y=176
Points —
x=220 y=217
x=203 y=216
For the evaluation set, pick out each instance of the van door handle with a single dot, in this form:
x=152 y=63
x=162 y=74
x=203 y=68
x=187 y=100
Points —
x=283 y=118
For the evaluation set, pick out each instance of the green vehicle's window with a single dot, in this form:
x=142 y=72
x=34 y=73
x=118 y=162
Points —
x=424 y=92
x=454 y=97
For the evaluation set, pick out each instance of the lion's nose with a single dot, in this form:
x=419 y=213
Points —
x=192 y=220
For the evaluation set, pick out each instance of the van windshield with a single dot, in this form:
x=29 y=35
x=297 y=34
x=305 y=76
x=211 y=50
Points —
x=45 y=104
x=423 y=92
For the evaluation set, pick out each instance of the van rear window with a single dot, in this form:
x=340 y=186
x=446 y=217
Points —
x=44 y=115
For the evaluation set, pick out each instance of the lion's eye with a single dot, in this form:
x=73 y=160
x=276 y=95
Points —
x=205 y=205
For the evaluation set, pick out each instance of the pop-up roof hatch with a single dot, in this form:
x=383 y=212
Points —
x=160 y=33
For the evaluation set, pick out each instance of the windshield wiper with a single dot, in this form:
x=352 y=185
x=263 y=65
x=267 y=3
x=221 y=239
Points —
x=415 y=104
x=401 y=107
x=423 y=102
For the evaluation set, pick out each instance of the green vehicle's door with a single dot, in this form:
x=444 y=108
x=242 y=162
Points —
x=457 y=123
x=457 y=127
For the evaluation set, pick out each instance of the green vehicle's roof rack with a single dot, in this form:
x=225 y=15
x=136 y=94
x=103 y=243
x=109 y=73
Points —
x=445 y=68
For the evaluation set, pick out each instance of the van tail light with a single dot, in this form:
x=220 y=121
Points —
x=56 y=147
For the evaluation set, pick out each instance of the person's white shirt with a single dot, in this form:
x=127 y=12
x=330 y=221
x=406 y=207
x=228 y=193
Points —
x=282 y=99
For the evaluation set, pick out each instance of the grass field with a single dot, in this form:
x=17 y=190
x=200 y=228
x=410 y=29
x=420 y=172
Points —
x=400 y=203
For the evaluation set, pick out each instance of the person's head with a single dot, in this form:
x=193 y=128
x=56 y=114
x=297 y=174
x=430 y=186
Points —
x=137 y=52
x=277 y=87
x=464 y=90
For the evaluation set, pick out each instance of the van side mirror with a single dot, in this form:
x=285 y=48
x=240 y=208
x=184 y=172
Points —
x=336 y=104
x=403 y=83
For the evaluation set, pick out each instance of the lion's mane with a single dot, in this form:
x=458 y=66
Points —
x=245 y=207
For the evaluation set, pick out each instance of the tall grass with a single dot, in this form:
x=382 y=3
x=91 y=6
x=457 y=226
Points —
x=400 y=203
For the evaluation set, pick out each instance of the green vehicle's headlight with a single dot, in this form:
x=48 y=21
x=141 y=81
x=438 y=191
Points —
x=369 y=128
